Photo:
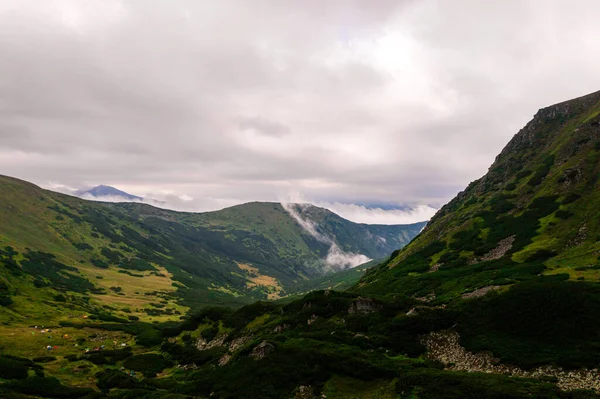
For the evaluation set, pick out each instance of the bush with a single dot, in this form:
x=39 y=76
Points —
x=109 y=379
x=44 y=359
x=541 y=255
x=563 y=214
x=47 y=387
x=12 y=368
x=5 y=300
x=149 y=363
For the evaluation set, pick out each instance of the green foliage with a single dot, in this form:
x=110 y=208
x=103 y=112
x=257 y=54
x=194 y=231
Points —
x=149 y=363
x=542 y=171
x=45 y=266
x=44 y=359
x=537 y=323
x=11 y=368
x=5 y=300
x=109 y=379
x=563 y=214
x=427 y=383
x=46 y=387
x=83 y=246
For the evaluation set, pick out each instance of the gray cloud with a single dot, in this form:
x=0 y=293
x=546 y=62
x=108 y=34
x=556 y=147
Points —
x=231 y=101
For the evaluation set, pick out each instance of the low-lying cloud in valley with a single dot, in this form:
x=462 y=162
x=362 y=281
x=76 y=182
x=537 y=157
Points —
x=336 y=259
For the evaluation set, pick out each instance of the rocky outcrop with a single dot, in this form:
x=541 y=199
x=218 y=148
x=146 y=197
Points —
x=304 y=392
x=480 y=292
x=434 y=268
x=225 y=359
x=218 y=341
x=582 y=234
x=261 y=350
x=364 y=306
x=444 y=347
x=501 y=249
x=281 y=328
x=240 y=342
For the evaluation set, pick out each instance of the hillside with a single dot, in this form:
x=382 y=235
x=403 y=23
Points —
x=498 y=297
x=537 y=205
x=129 y=256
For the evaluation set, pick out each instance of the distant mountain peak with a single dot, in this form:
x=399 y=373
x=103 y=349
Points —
x=107 y=191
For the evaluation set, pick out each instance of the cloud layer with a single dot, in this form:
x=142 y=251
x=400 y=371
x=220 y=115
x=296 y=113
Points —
x=346 y=102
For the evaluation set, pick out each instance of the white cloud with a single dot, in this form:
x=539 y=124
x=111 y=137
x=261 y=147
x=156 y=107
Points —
x=348 y=102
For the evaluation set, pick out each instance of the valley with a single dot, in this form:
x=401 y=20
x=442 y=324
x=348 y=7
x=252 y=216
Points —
x=497 y=297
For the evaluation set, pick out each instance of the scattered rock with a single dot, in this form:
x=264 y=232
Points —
x=364 y=306
x=261 y=350
x=501 y=249
x=304 y=392
x=444 y=347
x=480 y=291
x=238 y=343
x=580 y=238
x=281 y=328
x=428 y=298
x=312 y=319
x=224 y=359
x=218 y=341
x=434 y=268
x=412 y=312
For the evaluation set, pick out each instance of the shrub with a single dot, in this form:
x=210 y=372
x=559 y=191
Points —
x=563 y=214
x=149 y=363
x=12 y=368
x=44 y=359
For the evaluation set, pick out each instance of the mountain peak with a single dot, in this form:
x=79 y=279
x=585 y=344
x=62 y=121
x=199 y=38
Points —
x=107 y=191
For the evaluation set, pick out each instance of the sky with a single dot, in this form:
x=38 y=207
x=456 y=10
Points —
x=381 y=111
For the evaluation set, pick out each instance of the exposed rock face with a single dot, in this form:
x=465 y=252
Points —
x=434 y=268
x=281 y=328
x=218 y=341
x=480 y=292
x=240 y=342
x=503 y=247
x=580 y=238
x=428 y=298
x=224 y=359
x=305 y=392
x=261 y=350
x=364 y=306
x=444 y=347
x=412 y=312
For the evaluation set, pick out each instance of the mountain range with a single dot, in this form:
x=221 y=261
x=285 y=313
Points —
x=498 y=297
x=125 y=253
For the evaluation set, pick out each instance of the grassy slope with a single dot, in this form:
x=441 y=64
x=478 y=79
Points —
x=186 y=259
x=542 y=188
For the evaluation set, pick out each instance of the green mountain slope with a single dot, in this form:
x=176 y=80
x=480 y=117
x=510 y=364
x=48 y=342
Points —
x=534 y=212
x=129 y=256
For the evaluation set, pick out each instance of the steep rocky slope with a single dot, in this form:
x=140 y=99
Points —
x=537 y=205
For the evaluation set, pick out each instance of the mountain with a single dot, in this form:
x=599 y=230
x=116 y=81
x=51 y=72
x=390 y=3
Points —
x=537 y=205
x=107 y=191
x=132 y=253
x=498 y=297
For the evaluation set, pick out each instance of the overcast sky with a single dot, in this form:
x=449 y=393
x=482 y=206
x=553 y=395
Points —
x=337 y=102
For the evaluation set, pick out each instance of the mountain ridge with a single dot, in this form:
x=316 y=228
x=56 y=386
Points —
x=233 y=256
